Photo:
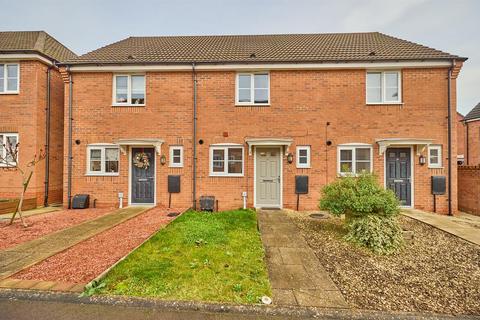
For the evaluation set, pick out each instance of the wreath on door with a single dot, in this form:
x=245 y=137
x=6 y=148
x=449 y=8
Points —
x=141 y=160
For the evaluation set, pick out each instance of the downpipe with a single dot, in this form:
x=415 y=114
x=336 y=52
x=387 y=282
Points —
x=70 y=122
x=194 y=141
x=47 y=138
x=449 y=126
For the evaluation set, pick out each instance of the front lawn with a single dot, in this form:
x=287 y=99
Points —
x=199 y=256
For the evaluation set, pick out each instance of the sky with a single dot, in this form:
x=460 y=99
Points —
x=448 y=25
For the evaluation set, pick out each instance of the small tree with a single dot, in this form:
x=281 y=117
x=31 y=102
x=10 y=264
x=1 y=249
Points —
x=370 y=212
x=9 y=159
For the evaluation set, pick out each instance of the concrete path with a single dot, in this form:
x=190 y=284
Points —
x=465 y=226
x=15 y=259
x=296 y=275
x=28 y=213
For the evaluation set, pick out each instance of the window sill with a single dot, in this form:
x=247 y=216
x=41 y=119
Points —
x=10 y=92
x=226 y=175
x=252 y=104
x=308 y=167
x=384 y=103
x=177 y=166
x=128 y=105
x=435 y=167
x=102 y=174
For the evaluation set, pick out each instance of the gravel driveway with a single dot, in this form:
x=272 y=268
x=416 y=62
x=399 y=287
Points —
x=437 y=272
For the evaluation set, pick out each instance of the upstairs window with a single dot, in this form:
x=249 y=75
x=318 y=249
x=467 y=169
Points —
x=9 y=78
x=129 y=90
x=102 y=160
x=303 y=157
x=354 y=159
x=383 y=87
x=253 y=89
x=226 y=161
x=435 y=156
x=8 y=141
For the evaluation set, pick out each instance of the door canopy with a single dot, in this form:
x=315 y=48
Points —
x=421 y=144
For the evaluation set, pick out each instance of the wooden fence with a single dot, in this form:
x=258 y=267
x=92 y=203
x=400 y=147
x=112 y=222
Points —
x=10 y=205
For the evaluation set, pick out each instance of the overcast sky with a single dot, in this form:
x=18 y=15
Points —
x=448 y=25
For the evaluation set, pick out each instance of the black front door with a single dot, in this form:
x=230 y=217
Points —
x=143 y=175
x=399 y=172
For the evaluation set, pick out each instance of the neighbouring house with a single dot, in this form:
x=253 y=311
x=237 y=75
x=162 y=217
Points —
x=472 y=137
x=244 y=117
x=31 y=106
x=461 y=139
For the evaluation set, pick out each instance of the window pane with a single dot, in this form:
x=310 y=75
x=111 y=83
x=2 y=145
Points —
x=302 y=160
x=244 y=81
x=433 y=152
x=261 y=95
x=138 y=89
x=177 y=159
x=345 y=155
x=12 y=71
x=111 y=154
x=235 y=154
x=218 y=161
x=176 y=152
x=235 y=167
x=11 y=145
x=2 y=78
x=362 y=154
x=362 y=166
x=345 y=167
x=1 y=146
x=122 y=89
x=303 y=152
x=391 y=95
x=95 y=160
x=244 y=95
x=374 y=87
x=2 y=70
x=12 y=84
x=391 y=79
x=261 y=81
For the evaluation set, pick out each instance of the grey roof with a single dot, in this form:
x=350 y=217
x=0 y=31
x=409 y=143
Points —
x=34 y=41
x=371 y=46
x=473 y=114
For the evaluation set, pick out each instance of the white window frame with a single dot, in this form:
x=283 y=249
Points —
x=4 y=151
x=5 y=79
x=303 y=165
x=129 y=91
x=252 y=88
x=225 y=160
x=384 y=87
x=171 y=162
x=440 y=162
x=102 y=147
x=353 y=147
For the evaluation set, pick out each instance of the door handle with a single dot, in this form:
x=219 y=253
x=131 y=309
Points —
x=398 y=181
x=141 y=180
x=267 y=180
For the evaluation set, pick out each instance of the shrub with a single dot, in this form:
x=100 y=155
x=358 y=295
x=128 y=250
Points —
x=358 y=196
x=381 y=234
x=370 y=210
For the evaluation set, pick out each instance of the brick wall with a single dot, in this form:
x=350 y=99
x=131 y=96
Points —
x=24 y=113
x=469 y=189
x=473 y=140
x=302 y=102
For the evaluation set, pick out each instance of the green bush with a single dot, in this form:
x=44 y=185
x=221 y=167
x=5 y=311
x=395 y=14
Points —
x=358 y=196
x=370 y=210
x=381 y=234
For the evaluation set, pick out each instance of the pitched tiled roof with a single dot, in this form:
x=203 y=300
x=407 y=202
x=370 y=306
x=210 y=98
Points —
x=373 y=46
x=35 y=41
x=473 y=114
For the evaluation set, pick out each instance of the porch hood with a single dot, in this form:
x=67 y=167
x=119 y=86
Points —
x=421 y=144
x=268 y=142
x=140 y=142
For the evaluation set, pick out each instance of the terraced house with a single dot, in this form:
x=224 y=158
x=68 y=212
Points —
x=31 y=112
x=243 y=118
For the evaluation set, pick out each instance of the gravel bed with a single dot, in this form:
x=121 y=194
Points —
x=437 y=272
x=88 y=259
x=43 y=224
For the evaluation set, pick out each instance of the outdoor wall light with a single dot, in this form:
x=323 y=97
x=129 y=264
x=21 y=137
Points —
x=290 y=157
x=163 y=159
x=422 y=160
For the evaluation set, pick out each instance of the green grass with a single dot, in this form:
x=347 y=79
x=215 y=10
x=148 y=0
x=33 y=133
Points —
x=199 y=256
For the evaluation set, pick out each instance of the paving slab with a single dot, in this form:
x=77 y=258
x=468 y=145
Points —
x=29 y=253
x=296 y=275
x=464 y=226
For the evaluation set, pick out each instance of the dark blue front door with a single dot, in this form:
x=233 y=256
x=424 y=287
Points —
x=399 y=173
x=143 y=175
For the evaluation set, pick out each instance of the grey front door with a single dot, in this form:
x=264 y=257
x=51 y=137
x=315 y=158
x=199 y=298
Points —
x=267 y=184
x=143 y=175
x=399 y=173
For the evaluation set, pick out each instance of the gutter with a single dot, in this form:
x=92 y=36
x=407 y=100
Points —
x=449 y=126
x=70 y=121
x=47 y=139
x=194 y=141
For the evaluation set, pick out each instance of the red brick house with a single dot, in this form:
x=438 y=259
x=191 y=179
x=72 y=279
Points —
x=471 y=124
x=31 y=104
x=241 y=117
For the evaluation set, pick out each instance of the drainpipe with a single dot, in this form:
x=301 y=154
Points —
x=194 y=142
x=70 y=119
x=449 y=117
x=466 y=144
x=47 y=140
